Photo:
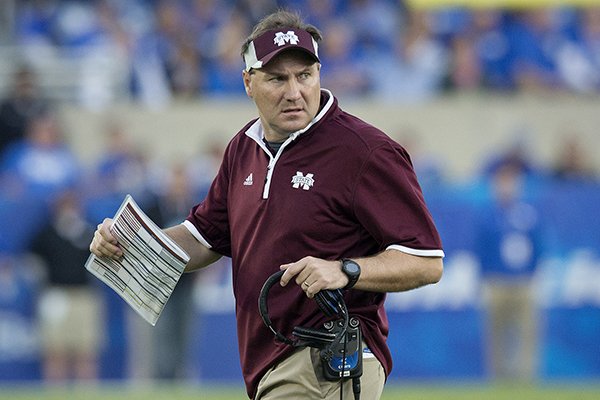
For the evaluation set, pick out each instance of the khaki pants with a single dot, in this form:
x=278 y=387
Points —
x=71 y=320
x=511 y=330
x=300 y=376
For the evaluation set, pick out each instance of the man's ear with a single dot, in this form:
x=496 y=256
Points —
x=246 y=77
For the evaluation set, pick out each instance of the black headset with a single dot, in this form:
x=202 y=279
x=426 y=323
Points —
x=331 y=302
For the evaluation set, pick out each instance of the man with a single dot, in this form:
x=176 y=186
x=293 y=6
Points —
x=70 y=306
x=510 y=247
x=301 y=188
x=19 y=107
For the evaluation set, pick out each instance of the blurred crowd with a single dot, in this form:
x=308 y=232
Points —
x=50 y=204
x=380 y=48
x=190 y=49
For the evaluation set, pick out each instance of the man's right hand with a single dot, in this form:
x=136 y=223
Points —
x=104 y=243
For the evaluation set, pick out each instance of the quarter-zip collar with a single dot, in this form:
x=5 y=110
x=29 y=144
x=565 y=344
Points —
x=256 y=133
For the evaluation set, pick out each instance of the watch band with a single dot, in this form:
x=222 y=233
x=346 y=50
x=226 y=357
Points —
x=352 y=277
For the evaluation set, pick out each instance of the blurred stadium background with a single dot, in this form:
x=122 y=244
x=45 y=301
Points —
x=496 y=100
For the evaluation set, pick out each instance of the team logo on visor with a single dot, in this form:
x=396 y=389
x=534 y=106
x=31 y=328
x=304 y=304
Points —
x=302 y=181
x=281 y=38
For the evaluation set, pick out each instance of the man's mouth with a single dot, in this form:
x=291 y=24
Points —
x=292 y=110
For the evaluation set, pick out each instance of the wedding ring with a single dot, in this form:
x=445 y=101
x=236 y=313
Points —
x=306 y=284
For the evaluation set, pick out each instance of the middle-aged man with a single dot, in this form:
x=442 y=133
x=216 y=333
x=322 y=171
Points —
x=312 y=190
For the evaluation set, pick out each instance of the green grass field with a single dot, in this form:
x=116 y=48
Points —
x=392 y=392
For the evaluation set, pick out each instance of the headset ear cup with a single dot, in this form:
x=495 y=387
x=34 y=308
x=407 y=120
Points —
x=329 y=301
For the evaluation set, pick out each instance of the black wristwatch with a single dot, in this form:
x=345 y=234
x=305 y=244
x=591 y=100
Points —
x=352 y=271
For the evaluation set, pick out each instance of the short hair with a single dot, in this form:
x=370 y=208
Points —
x=281 y=19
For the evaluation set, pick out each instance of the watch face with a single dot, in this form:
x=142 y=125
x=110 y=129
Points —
x=352 y=271
x=351 y=267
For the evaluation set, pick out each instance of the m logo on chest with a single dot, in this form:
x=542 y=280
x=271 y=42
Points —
x=302 y=181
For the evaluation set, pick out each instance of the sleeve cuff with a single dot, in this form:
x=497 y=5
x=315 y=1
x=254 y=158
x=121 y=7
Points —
x=190 y=227
x=417 y=252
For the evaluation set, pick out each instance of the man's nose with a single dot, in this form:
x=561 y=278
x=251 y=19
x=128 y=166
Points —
x=292 y=91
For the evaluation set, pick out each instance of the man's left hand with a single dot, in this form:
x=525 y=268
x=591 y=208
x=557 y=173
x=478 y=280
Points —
x=314 y=274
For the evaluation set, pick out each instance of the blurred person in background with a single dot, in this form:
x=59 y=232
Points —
x=34 y=29
x=509 y=247
x=374 y=24
x=122 y=168
x=578 y=59
x=535 y=37
x=205 y=19
x=70 y=306
x=81 y=44
x=342 y=72
x=481 y=53
x=431 y=169
x=264 y=212
x=82 y=38
x=20 y=283
x=171 y=334
x=518 y=153
x=203 y=166
x=22 y=104
x=465 y=71
x=221 y=73
x=573 y=162
x=175 y=46
x=42 y=163
x=155 y=57
x=493 y=49
x=415 y=68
